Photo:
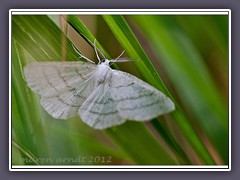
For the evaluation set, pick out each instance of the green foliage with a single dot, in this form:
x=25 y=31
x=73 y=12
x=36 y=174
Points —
x=186 y=136
x=188 y=71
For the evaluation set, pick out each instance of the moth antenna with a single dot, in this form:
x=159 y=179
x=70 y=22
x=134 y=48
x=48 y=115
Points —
x=95 y=48
x=98 y=50
x=119 y=55
x=119 y=59
x=80 y=55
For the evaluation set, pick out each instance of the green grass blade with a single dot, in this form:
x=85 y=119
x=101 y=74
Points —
x=171 y=141
x=30 y=158
x=47 y=37
x=27 y=132
x=137 y=142
x=189 y=74
x=198 y=27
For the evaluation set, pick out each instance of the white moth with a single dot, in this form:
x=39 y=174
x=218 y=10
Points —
x=101 y=96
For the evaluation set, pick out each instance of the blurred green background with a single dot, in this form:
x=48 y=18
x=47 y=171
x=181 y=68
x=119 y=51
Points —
x=184 y=56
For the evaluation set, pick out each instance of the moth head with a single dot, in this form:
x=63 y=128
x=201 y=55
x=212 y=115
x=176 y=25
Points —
x=105 y=62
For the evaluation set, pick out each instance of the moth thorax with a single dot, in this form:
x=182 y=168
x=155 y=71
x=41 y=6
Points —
x=103 y=73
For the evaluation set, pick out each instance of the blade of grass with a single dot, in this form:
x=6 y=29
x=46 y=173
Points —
x=198 y=27
x=42 y=36
x=171 y=141
x=188 y=73
x=29 y=157
x=86 y=34
x=136 y=141
x=126 y=38
x=27 y=132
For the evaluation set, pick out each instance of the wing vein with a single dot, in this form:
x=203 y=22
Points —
x=48 y=81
